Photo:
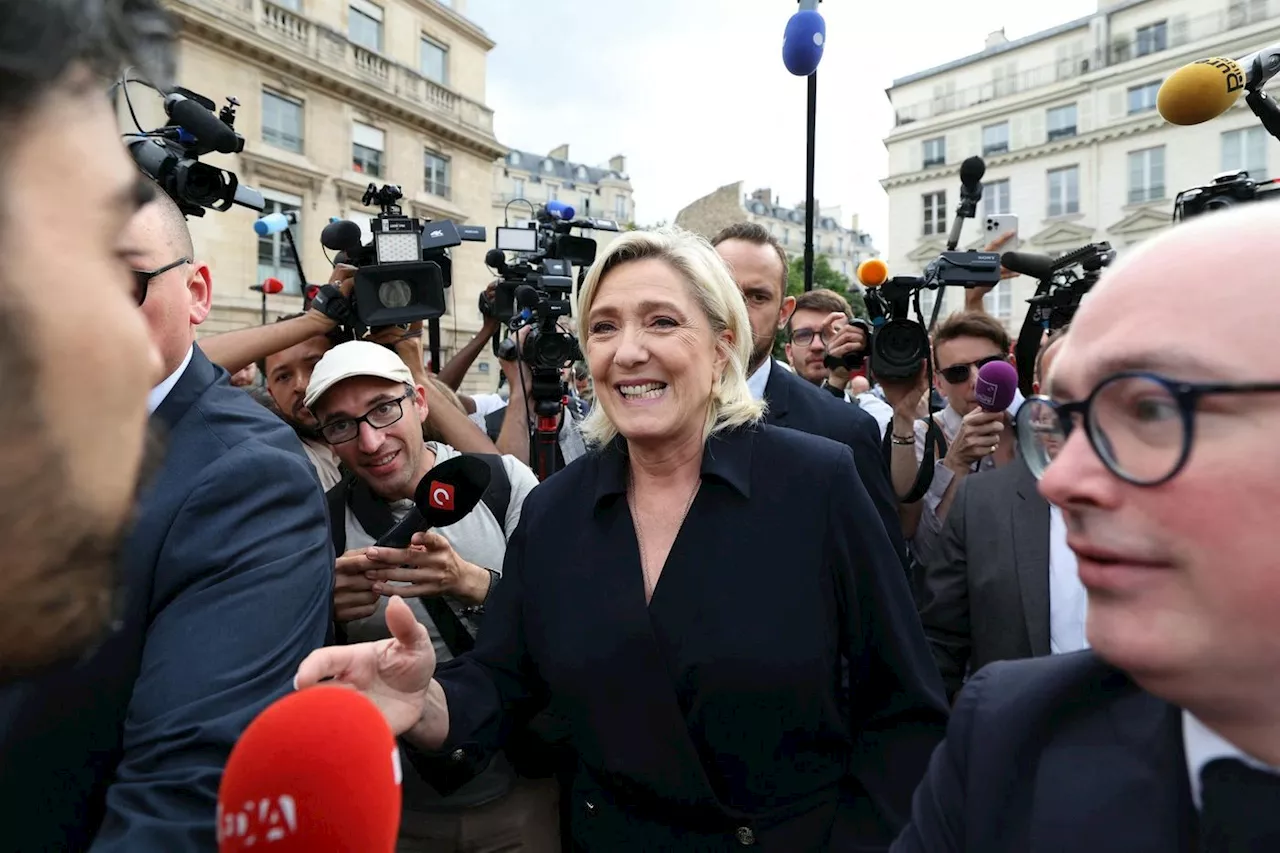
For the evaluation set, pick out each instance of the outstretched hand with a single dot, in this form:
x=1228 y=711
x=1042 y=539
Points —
x=394 y=674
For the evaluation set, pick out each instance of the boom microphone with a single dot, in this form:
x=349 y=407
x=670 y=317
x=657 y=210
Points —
x=804 y=39
x=996 y=386
x=274 y=223
x=1200 y=91
x=1028 y=263
x=317 y=771
x=444 y=496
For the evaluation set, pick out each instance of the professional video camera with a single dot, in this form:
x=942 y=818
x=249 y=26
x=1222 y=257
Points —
x=402 y=272
x=899 y=344
x=536 y=290
x=1064 y=281
x=1226 y=190
x=170 y=155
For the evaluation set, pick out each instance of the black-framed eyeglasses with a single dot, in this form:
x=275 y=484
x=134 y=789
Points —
x=1140 y=424
x=142 y=278
x=958 y=374
x=380 y=416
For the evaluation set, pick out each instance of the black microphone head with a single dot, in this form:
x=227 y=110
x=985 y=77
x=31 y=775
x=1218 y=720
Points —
x=972 y=170
x=341 y=236
x=495 y=259
x=449 y=491
x=1028 y=263
x=526 y=296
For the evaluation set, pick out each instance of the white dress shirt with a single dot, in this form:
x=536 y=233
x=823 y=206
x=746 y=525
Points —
x=757 y=381
x=1068 y=601
x=1202 y=745
x=158 y=393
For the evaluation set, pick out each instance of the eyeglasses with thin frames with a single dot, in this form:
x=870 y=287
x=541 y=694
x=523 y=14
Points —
x=1141 y=425
x=381 y=416
x=142 y=278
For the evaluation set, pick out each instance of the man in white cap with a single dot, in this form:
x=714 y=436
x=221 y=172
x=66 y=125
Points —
x=370 y=411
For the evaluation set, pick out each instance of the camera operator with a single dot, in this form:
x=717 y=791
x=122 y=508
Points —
x=371 y=410
x=510 y=426
x=67 y=191
x=974 y=440
x=287 y=351
x=819 y=327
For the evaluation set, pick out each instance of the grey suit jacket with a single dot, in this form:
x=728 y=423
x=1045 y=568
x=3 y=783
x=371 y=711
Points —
x=986 y=593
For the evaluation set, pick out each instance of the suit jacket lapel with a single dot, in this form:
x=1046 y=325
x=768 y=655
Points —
x=199 y=375
x=777 y=392
x=1029 y=522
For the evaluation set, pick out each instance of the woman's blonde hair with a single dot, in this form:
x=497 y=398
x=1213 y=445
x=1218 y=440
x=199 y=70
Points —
x=713 y=288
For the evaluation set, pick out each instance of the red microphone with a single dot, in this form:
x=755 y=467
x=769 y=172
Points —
x=272 y=285
x=317 y=771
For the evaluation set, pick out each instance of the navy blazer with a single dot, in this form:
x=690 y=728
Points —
x=227 y=580
x=800 y=405
x=1057 y=754
x=717 y=713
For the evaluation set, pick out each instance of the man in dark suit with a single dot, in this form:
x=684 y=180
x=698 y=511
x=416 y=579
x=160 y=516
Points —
x=759 y=266
x=1166 y=736
x=227 y=587
x=70 y=331
x=1004 y=584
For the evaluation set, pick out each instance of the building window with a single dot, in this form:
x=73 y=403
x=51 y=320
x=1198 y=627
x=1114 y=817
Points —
x=839 y=245
x=364 y=25
x=786 y=236
x=517 y=188
x=1146 y=175
x=999 y=302
x=1064 y=191
x=620 y=208
x=935 y=213
x=281 y=121
x=435 y=173
x=434 y=61
x=1245 y=149
x=1061 y=122
x=995 y=139
x=928 y=297
x=1143 y=98
x=935 y=151
x=553 y=192
x=274 y=258
x=585 y=210
x=995 y=198
x=367 y=147
x=548 y=166
x=1153 y=38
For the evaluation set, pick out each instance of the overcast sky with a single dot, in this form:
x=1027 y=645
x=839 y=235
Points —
x=694 y=92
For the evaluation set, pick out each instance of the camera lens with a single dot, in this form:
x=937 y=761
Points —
x=395 y=293
x=898 y=348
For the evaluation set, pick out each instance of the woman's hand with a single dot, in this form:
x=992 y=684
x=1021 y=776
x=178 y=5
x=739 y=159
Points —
x=394 y=674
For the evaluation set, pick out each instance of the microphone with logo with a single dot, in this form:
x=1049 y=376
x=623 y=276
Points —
x=1207 y=88
x=444 y=496
x=318 y=771
x=996 y=386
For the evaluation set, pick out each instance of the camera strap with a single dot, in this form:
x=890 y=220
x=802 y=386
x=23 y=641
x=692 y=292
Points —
x=935 y=447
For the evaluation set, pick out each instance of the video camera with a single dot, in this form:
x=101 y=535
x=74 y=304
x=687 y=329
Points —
x=170 y=155
x=1227 y=190
x=899 y=344
x=402 y=272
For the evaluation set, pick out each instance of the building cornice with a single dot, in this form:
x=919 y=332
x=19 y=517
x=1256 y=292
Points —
x=210 y=24
x=1130 y=127
x=465 y=26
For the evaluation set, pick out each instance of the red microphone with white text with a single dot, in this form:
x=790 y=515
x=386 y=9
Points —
x=316 y=772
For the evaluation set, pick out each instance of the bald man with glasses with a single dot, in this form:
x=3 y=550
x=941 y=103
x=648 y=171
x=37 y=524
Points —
x=1159 y=448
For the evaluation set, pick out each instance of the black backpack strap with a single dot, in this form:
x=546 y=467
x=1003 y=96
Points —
x=336 y=498
x=497 y=497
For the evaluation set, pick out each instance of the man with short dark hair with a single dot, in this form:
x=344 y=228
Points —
x=758 y=264
x=75 y=359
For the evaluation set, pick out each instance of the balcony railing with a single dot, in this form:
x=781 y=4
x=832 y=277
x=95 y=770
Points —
x=324 y=47
x=1123 y=48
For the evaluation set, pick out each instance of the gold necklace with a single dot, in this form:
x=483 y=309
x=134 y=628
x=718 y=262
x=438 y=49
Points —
x=635 y=523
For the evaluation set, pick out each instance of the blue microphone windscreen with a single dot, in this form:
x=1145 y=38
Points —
x=803 y=41
x=271 y=224
x=560 y=210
